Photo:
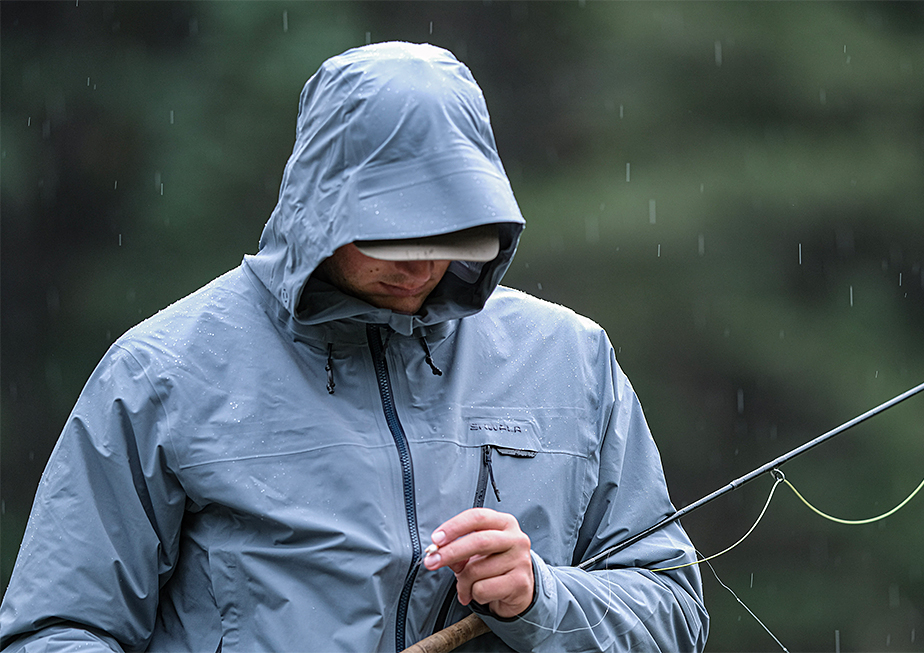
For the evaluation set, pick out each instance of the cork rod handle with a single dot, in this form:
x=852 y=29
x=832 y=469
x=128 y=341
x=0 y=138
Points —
x=452 y=637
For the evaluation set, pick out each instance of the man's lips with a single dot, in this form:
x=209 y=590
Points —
x=403 y=291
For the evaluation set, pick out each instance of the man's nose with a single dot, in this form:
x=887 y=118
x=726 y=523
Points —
x=415 y=270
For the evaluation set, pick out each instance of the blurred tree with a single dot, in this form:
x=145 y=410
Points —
x=732 y=189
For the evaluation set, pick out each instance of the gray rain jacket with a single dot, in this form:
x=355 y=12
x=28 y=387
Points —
x=258 y=466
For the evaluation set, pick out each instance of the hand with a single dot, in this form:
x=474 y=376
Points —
x=489 y=555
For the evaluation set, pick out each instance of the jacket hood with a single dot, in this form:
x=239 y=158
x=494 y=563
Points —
x=393 y=140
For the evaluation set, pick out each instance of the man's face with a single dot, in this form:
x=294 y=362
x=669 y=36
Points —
x=401 y=286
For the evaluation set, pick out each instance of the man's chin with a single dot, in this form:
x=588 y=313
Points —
x=404 y=308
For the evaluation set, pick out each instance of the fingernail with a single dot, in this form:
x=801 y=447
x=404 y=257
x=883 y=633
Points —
x=438 y=538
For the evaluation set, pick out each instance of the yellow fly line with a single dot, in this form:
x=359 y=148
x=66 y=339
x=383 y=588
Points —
x=856 y=522
x=781 y=478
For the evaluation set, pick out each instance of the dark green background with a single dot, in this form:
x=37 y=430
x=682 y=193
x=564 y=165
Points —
x=734 y=190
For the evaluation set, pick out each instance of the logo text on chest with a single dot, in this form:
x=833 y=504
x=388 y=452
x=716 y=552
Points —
x=496 y=426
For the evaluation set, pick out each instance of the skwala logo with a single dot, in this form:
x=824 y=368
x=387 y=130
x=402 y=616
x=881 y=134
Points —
x=486 y=425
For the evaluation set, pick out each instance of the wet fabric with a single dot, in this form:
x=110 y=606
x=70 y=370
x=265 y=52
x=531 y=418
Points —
x=259 y=466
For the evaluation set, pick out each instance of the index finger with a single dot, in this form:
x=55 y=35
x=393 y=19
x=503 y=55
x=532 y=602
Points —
x=477 y=532
x=470 y=521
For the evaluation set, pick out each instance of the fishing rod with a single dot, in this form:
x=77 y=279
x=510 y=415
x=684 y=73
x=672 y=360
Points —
x=738 y=482
x=472 y=626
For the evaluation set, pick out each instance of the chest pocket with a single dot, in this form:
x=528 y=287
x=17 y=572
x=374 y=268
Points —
x=536 y=465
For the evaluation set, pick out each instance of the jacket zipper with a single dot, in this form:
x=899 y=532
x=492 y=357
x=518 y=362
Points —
x=407 y=475
x=485 y=474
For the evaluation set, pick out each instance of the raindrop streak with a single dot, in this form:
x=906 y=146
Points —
x=171 y=117
x=837 y=641
x=431 y=27
x=628 y=166
x=285 y=21
x=702 y=244
x=894 y=596
x=851 y=295
x=368 y=38
x=592 y=229
x=718 y=53
x=800 y=253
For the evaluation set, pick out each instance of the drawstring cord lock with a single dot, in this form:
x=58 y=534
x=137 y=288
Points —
x=330 y=368
x=433 y=368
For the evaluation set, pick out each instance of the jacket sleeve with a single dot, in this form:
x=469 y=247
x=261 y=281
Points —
x=624 y=604
x=103 y=534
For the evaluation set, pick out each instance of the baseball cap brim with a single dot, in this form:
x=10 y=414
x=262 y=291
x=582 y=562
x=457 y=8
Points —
x=478 y=244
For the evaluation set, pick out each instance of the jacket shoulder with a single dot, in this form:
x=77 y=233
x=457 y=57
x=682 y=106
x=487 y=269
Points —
x=222 y=317
x=509 y=303
x=226 y=299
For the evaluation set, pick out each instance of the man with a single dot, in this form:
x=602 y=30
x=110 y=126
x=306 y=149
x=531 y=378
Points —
x=262 y=465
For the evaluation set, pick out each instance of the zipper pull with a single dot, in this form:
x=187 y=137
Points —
x=486 y=459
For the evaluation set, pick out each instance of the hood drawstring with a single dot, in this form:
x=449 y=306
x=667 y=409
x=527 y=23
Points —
x=330 y=368
x=436 y=371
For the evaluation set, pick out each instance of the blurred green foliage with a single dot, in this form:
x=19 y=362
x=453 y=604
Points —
x=734 y=190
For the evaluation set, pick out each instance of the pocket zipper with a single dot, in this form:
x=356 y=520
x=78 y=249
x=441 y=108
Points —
x=486 y=474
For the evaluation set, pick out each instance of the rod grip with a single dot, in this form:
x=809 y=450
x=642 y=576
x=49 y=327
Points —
x=451 y=637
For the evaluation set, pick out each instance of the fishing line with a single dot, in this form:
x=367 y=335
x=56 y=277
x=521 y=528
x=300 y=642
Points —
x=778 y=478
x=855 y=522
x=751 y=612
